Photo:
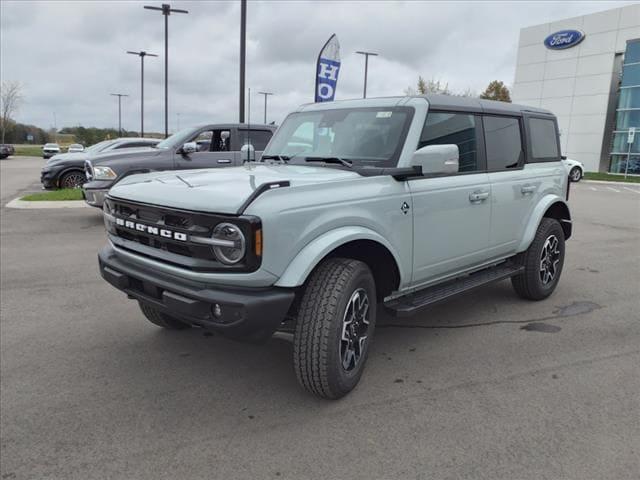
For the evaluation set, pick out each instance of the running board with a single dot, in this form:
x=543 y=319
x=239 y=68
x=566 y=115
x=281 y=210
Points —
x=413 y=302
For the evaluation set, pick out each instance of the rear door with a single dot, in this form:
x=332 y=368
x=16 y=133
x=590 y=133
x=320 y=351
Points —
x=451 y=213
x=215 y=149
x=512 y=189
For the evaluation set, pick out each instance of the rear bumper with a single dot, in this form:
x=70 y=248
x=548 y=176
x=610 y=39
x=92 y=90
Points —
x=250 y=314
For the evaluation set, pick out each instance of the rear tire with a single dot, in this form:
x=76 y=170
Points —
x=335 y=325
x=543 y=262
x=163 y=320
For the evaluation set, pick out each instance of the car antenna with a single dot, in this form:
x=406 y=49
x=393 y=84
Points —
x=248 y=136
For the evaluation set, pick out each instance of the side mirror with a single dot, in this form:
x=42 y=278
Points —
x=437 y=159
x=248 y=153
x=189 y=147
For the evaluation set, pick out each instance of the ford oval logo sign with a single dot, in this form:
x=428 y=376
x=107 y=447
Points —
x=563 y=39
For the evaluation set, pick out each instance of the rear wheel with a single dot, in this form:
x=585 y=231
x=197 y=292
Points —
x=163 y=320
x=74 y=179
x=575 y=174
x=542 y=262
x=335 y=325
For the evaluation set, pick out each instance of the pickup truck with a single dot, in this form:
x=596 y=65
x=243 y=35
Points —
x=204 y=146
x=394 y=203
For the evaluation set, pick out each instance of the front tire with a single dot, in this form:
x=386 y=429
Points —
x=335 y=325
x=543 y=262
x=74 y=179
x=575 y=174
x=163 y=320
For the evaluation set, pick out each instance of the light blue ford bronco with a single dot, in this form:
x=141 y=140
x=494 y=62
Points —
x=393 y=203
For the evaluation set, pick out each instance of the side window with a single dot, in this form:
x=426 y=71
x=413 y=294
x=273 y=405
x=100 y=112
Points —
x=259 y=139
x=544 y=140
x=442 y=128
x=204 y=140
x=503 y=142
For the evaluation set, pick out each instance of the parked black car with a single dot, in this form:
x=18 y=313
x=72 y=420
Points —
x=205 y=146
x=6 y=150
x=66 y=170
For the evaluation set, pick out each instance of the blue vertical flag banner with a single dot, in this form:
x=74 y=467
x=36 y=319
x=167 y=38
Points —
x=327 y=70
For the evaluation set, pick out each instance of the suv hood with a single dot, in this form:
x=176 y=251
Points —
x=221 y=190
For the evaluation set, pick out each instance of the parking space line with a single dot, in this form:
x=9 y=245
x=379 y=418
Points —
x=594 y=189
x=614 y=189
x=631 y=189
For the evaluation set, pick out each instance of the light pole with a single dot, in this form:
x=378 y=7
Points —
x=266 y=94
x=119 y=95
x=366 y=67
x=166 y=11
x=243 y=50
x=142 y=54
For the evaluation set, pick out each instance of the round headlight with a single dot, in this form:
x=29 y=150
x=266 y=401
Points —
x=232 y=245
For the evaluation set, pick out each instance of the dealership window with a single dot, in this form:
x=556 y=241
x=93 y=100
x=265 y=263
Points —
x=625 y=157
x=443 y=128
x=503 y=141
x=544 y=140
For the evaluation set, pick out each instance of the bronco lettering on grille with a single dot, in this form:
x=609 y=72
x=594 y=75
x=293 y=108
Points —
x=141 y=227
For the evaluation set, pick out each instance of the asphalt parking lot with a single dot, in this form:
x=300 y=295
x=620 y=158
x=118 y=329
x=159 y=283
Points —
x=485 y=387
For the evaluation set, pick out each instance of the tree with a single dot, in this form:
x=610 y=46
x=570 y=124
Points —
x=429 y=86
x=10 y=98
x=438 y=87
x=496 y=90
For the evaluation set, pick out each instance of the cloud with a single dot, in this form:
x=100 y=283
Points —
x=71 y=55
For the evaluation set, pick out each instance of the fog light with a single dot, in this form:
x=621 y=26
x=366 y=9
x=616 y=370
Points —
x=217 y=310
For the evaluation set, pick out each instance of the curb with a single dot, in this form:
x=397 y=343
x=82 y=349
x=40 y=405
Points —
x=607 y=182
x=17 y=203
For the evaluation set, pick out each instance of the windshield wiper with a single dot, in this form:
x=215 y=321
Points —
x=281 y=158
x=341 y=161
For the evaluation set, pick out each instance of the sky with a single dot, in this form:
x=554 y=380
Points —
x=70 y=56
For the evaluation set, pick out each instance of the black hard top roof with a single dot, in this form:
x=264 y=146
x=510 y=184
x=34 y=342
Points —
x=470 y=104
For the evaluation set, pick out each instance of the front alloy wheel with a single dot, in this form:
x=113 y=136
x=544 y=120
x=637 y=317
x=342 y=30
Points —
x=73 y=180
x=336 y=319
x=355 y=325
x=575 y=174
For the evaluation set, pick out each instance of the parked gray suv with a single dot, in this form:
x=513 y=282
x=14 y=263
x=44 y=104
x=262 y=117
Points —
x=205 y=146
x=394 y=203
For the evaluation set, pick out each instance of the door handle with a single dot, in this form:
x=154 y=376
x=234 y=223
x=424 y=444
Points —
x=224 y=160
x=478 y=196
x=527 y=189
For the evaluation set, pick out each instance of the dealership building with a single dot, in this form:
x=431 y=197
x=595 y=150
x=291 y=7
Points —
x=586 y=70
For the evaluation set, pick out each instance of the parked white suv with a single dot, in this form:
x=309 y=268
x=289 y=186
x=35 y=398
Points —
x=356 y=205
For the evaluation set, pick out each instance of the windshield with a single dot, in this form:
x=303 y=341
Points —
x=364 y=136
x=177 y=139
x=98 y=147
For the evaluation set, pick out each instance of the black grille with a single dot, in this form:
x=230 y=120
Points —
x=187 y=254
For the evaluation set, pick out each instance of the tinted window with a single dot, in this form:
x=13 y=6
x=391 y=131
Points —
x=503 y=142
x=257 y=138
x=453 y=128
x=544 y=141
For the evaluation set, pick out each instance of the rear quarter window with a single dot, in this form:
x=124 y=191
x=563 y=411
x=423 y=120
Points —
x=544 y=140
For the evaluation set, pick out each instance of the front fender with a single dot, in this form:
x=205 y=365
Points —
x=311 y=255
x=535 y=218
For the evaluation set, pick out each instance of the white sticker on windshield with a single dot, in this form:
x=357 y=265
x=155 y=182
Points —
x=383 y=114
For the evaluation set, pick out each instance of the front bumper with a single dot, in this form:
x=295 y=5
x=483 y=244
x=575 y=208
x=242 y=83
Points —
x=95 y=191
x=49 y=154
x=49 y=179
x=249 y=314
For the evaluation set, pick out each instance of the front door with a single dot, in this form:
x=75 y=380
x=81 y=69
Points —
x=451 y=214
x=215 y=149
